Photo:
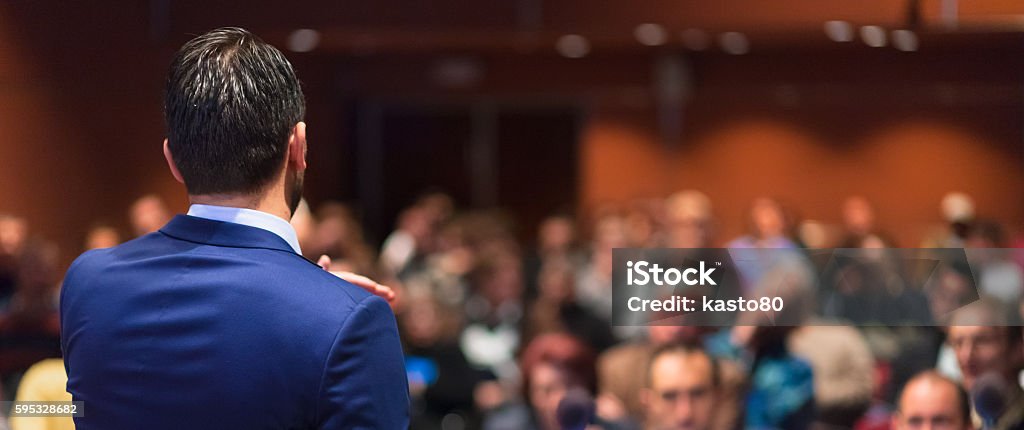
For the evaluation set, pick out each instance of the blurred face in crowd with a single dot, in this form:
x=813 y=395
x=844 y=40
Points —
x=13 y=233
x=930 y=403
x=639 y=228
x=946 y=293
x=422 y=322
x=148 y=214
x=334 y=231
x=983 y=349
x=438 y=206
x=681 y=392
x=858 y=215
x=102 y=237
x=504 y=284
x=688 y=232
x=609 y=233
x=555 y=283
x=548 y=385
x=556 y=234
x=416 y=222
x=688 y=219
x=768 y=218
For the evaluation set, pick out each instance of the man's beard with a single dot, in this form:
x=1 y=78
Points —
x=293 y=194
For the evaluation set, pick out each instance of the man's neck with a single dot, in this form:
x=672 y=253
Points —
x=262 y=203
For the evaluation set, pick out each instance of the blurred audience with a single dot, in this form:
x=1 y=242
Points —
x=506 y=333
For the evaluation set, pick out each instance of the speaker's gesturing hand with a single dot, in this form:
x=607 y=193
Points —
x=360 y=281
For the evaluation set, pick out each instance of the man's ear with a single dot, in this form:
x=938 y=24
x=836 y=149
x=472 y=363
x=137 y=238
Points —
x=297 y=147
x=170 y=163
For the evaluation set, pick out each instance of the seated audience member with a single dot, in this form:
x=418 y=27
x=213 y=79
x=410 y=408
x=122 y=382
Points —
x=594 y=282
x=404 y=249
x=441 y=381
x=998 y=275
x=13 y=234
x=988 y=349
x=957 y=210
x=781 y=392
x=13 y=242
x=844 y=371
x=621 y=369
x=338 y=235
x=682 y=389
x=551 y=365
x=689 y=220
x=932 y=401
x=556 y=240
x=30 y=327
x=491 y=335
x=102 y=236
x=555 y=308
x=622 y=374
x=781 y=384
x=769 y=227
x=872 y=287
x=148 y=214
x=859 y=229
x=43 y=382
x=643 y=217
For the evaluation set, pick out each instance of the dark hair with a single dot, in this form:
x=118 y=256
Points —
x=563 y=351
x=231 y=102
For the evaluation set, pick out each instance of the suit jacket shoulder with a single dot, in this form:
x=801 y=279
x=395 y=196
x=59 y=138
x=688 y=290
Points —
x=217 y=325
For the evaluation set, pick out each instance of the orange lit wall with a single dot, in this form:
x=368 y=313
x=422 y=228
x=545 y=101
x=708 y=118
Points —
x=904 y=168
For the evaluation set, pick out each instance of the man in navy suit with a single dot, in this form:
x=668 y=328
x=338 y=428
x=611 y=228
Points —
x=216 y=321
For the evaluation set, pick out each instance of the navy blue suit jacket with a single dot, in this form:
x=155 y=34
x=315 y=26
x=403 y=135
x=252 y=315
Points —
x=215 y=325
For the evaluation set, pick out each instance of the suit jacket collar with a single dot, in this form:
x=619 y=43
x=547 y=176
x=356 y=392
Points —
x=220 y=233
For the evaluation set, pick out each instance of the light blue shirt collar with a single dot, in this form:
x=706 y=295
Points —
x=251 y=218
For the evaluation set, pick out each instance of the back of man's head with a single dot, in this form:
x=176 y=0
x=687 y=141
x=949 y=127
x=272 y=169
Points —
x=231 y=102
